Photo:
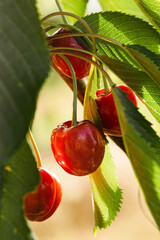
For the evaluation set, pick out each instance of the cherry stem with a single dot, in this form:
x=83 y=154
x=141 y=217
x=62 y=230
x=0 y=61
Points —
x=73 y=53
x=39 y=161
x=60 y=9
x=74 y=113
x=99 y=36
x=70 y=27
x=84 y=23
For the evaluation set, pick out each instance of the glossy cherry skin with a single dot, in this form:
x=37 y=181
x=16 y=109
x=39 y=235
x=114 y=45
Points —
x=78 y=149
x=80 y=66
x=58 y=197
x=38 y=205
x=108 y=112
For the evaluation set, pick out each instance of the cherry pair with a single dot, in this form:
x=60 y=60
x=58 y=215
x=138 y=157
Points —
x=105 y=102
x=79 y=149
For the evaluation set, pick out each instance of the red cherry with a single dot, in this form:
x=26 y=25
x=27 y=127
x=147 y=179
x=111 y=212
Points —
x=38 y=204
x=78 y=149
x=58 y=197
x=108 y=112
x=80 y=66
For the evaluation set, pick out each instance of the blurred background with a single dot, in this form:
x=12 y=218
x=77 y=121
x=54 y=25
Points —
x=74 y=219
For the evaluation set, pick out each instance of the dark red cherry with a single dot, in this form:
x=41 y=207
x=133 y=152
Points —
x=80 y=66
x=38 y=204
x=78 y=149
x=108 y=112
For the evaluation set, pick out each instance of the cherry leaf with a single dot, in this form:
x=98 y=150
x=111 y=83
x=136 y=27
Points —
x=77 y=7
x=125 y=29
x=127 y=6
x=24 y=62
x=90 y=106
x=106 y=192
x=18 y=177
x=148 y=60
x=143 y=149
x=130 y=31
x=141 y=81
x=151 y=8
x=105 y=188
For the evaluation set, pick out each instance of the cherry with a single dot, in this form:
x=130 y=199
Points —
x=58 y=197
x=78 y=149
x=80 y=66
x=41 y=204
x=108 y=112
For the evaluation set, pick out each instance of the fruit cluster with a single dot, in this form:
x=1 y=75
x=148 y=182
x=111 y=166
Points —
x=78 y=148
x=105 y=102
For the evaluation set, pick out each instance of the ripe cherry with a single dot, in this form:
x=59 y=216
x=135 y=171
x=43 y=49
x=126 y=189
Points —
x=41 y=204
x=80 y=66
x=108 y=112
x=58 y=197
x=78 y=149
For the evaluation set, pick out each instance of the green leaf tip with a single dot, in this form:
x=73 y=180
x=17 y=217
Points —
x=107 y=196
x=95 y=231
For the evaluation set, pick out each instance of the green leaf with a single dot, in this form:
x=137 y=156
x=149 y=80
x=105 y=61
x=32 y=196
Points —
x=151 y=8
x=139 y=81
x=90 y=106
x=125 y=6
x=143 y=149
x=24 y=62
x=106 y=192
x=123 y=28
x=18 y=176
x=77 y=7
x=149 y=61
x=128 y=30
